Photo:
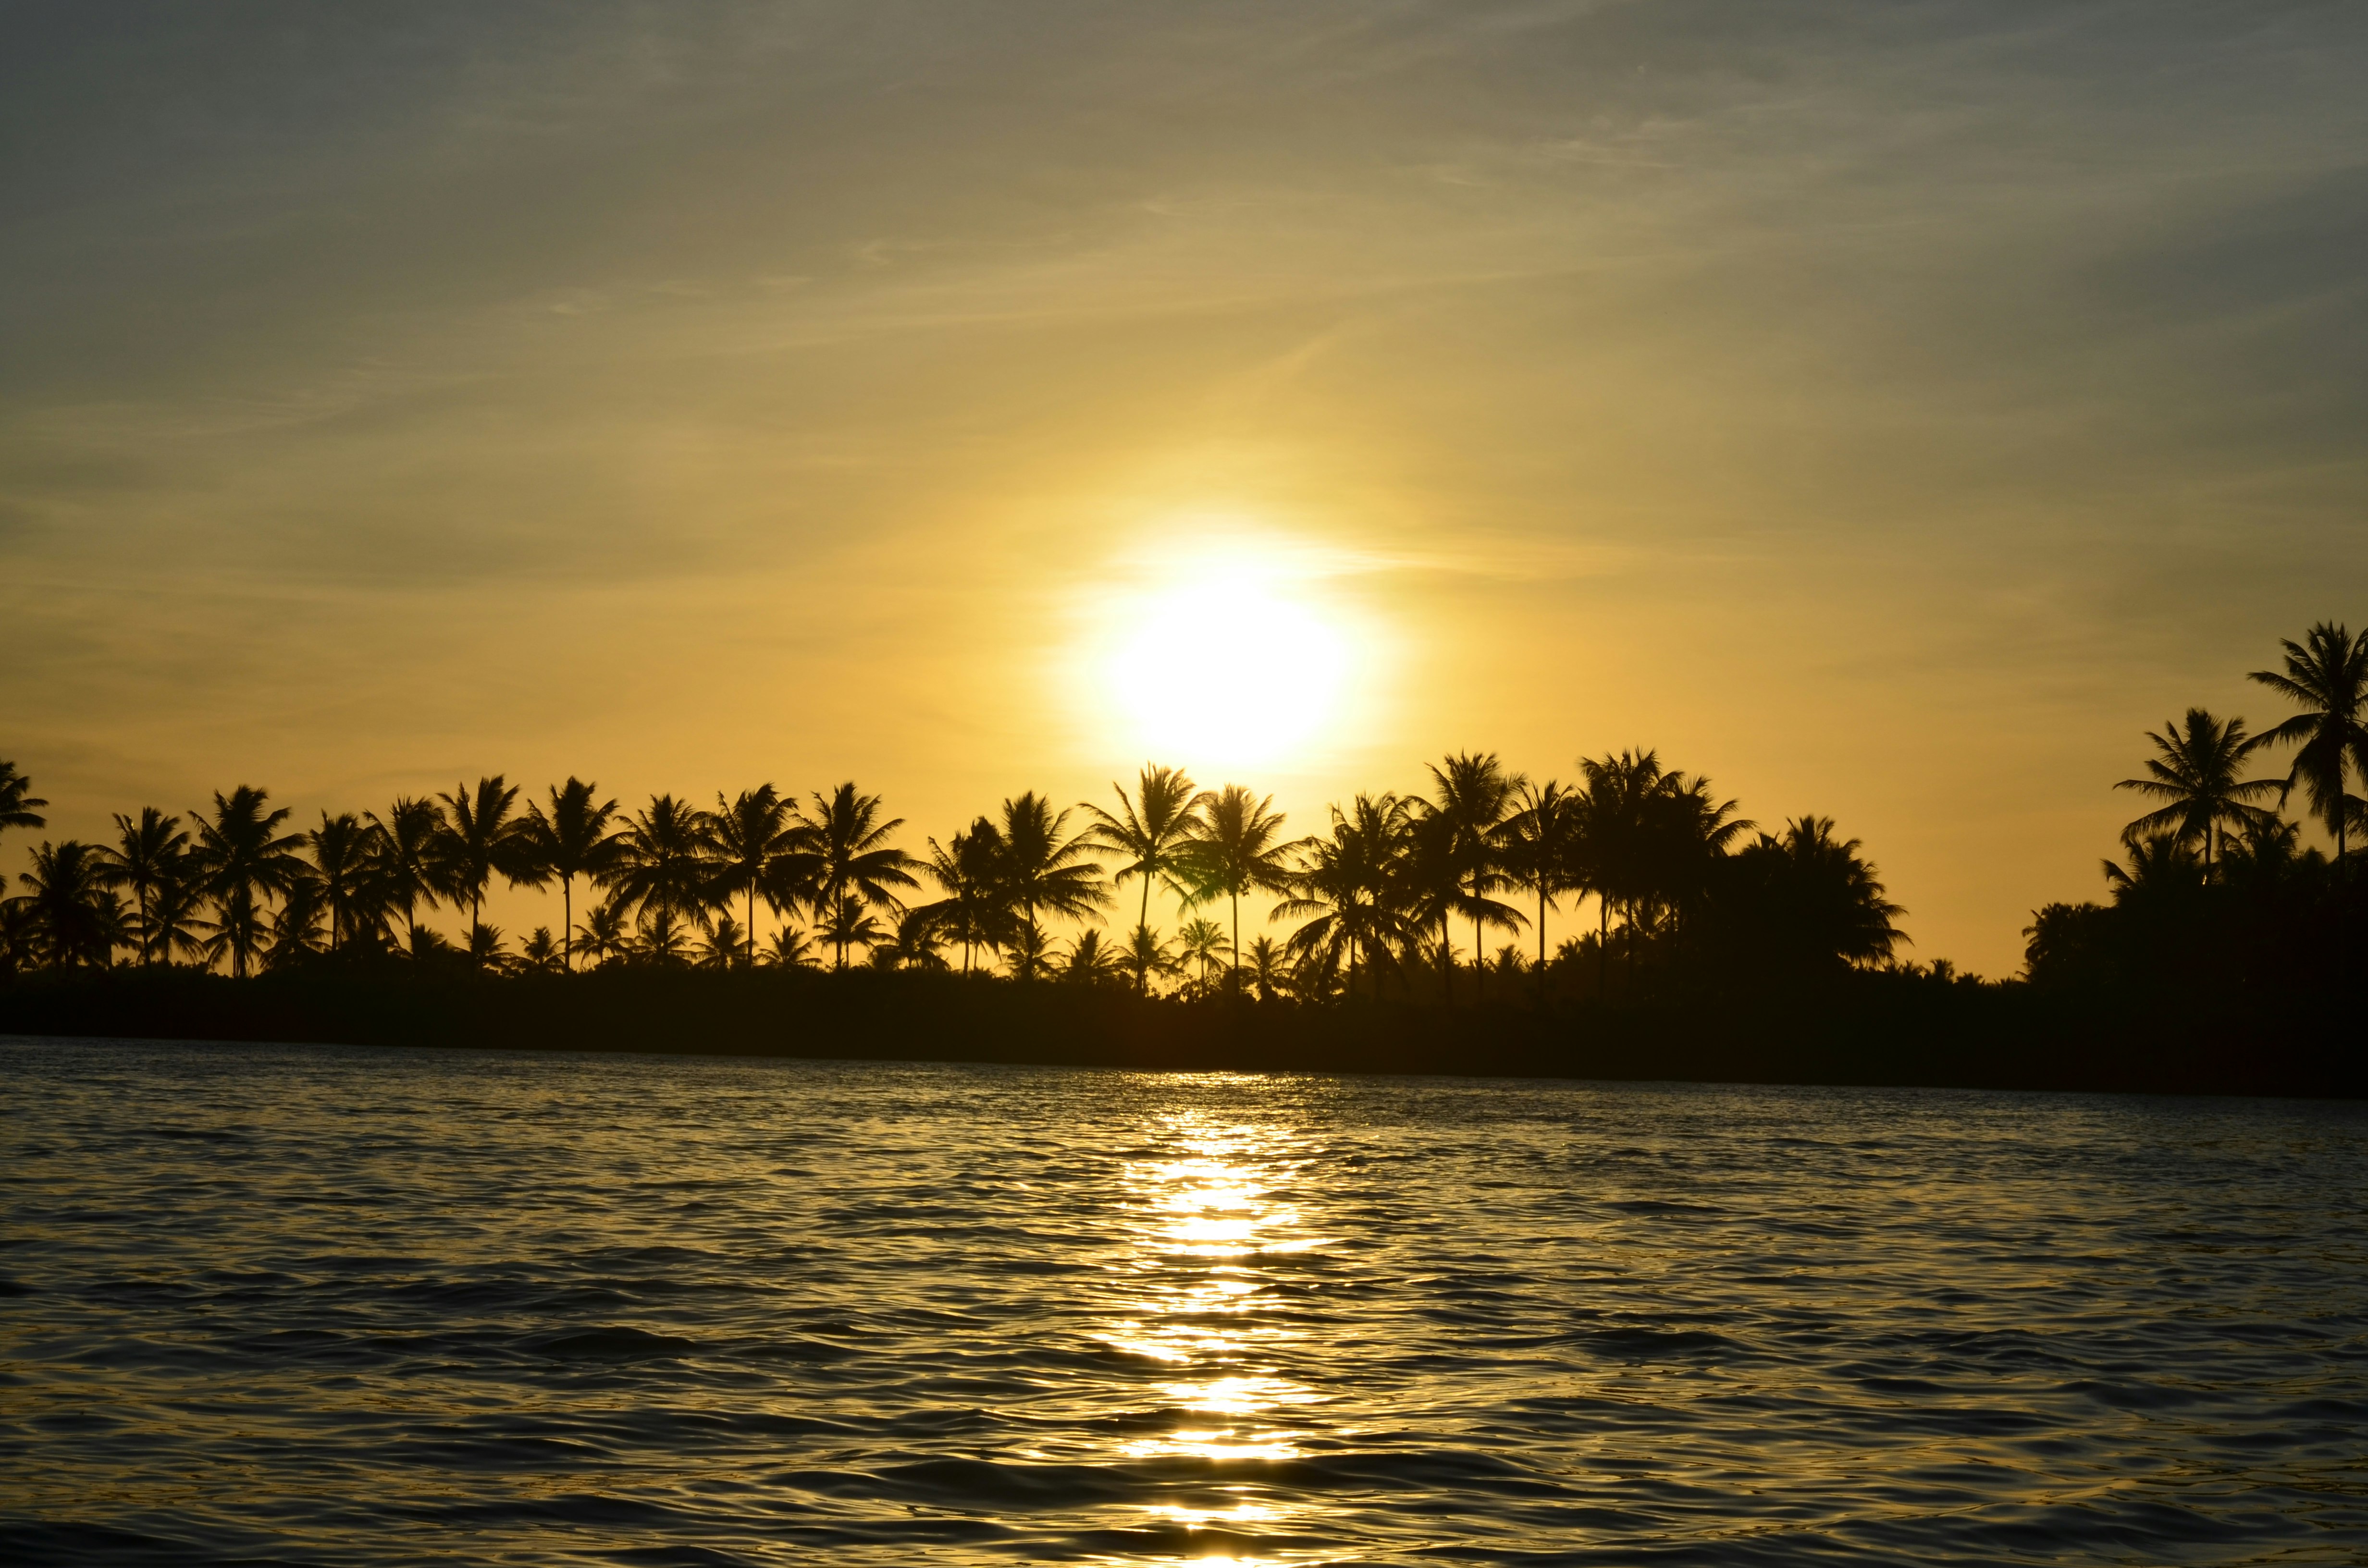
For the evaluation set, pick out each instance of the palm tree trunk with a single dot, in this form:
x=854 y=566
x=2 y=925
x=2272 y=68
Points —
x=567 y=920
x=1446 y=959
x=1236 y=981
x=1542 y=940
x=1602 y=945
x=1143 y=922
x=1479 y=957
x=752 y=922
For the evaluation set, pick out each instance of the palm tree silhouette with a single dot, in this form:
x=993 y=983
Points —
x=18 y=805
x=572 y=840
x=1092 y=962
x=2326 y=676
x=482 y=838
x=851 y=855
x=344 y=858
x=1612 y=820
x=751 y=834
x=603 y=935
x=147 y=856
x=76 y=916
x=1268 y=968
x=1538 y=848
x=1203 y=942
x=1833 y=904
x=244 y=858
x=1350 y=888
x=1687 y=833
x=1146 y=954
x=1151 y=835
x=663 y=862
x=409 y=860
x=1043 y=871
x=1236 y=847
x=968 y=868
x=2196 y=773
x=844 y=921
x=1472 y=793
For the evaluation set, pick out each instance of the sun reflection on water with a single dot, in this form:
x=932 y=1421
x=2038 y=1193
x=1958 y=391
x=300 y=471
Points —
x=1209 y=1221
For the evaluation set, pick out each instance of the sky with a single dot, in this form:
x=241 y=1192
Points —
x=1891 y=411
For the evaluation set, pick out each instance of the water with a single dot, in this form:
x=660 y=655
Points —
x=331 y=1306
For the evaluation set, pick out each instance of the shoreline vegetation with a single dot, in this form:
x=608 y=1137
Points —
x=2228 y=958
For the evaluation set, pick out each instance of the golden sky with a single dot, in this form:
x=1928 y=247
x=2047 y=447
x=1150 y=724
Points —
x=1890 y=411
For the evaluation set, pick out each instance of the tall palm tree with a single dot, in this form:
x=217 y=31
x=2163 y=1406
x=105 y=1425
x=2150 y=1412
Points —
x=573 y=839
x=1472 y=793
x=1687 y=831
x=1236 y=847
x=968 y=868
x=148 y=853
x=1614 y=835
x=852 y=856
x=1537 y=849
x=482 y=836
x=20 y=807
x=665 y=861
x=344 y=858
x=409 y=860
x=2327 y=677
x=76 y=916
x=1349 y=889
x=1045 y=871
x=750 y=835
x=245 y=859
x=2197 y=774
x=1151 y=835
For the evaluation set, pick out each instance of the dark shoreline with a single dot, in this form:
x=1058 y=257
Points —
x=1865 y=1031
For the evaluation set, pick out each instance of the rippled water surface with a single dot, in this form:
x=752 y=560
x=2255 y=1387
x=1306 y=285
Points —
x=335 y=1306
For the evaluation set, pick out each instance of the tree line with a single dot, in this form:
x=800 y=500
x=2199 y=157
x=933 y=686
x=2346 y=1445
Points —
x=1374 y=901
x=2215 y=890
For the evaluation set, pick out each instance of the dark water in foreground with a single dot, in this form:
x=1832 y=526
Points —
x=341 y=1306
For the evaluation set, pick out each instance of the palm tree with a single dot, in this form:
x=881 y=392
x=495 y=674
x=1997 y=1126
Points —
x=296 y=925
x=77 y=917
x=572 y=840
x=18 y=806
x=482 y=838
x=2196 y=773
x=245 y=859
x=1236 y=847
x=148 y=853
x=661 y=937
x=845 y=922
x=1203 y=942
x=239 y=929
x=750 y=835
x=724 y=944
x=1147 y=954
x=408 y=860
x=969 y=869
x=175 y=913
x=1473 y=793
x=663 y=862
x=912 y=943
x=1041 y=872
x=344 y=858
x=1831 y=904
x=603 y=935
x=1092 y=962
x=1537 y=847
x=852 y=857
x=485 y=949
x=1686 y=832
x=2327 y=677
x=788 y=948
x=1350 y=886
x=1612 y=833
x=1151 y=833
x=1269 y=969
x=539 y=954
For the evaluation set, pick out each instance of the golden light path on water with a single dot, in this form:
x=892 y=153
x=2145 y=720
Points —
x=1204 y=1219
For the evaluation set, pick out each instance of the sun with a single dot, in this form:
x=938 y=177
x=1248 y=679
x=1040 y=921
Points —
x=1236 y=654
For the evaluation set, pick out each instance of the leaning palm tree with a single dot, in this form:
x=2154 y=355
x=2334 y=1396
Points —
x=409 y=860
x=1473 y=793
x=1537 y=849
x=851 y=855
x=148 y=853
x=1044 y=871
x=245 y=859
x=77 y=919
x=1150 y=836
x=1236 y=847
x=2197 y=774
x=20 y=807
x=482 y=836
x=750 y=835
x=665 y=861
x=2327 y=677
x=573 y=839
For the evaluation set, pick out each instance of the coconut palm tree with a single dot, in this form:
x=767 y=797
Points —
x=1349 y=890
x=148 y=853
x=665 y=861
x=1043 y=870
x=1613 y=837
x=483 y=836
x=1151 y=835
x=2327 y=677
x=540 y=952
x=1828 y=900
x=344 y=860
x=245 y=859
x=968 y=868
x=1093 y=962
x=724 y=945
x=1269 y=969
x=296 y=925
x=789 y=948
x=408 y=860
x=1236 y=847
x=1203 y=942
x=845 y=922
x=852 y=857
x=1687 y=831
x=1147 y=954
x=1473 y=793
x=912 y=943
x=77 y=917
x=1538 y=848
x=573 y=838
x=2196 y=773
x=661 y=937
x=603 y=937
x=175 y=912
x=20 y=807
x=750 y=836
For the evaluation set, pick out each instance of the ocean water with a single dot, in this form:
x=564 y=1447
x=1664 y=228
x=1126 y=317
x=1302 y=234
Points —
x=268 y=1305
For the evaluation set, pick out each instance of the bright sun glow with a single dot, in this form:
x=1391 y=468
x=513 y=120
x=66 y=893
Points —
x=1230 y=657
